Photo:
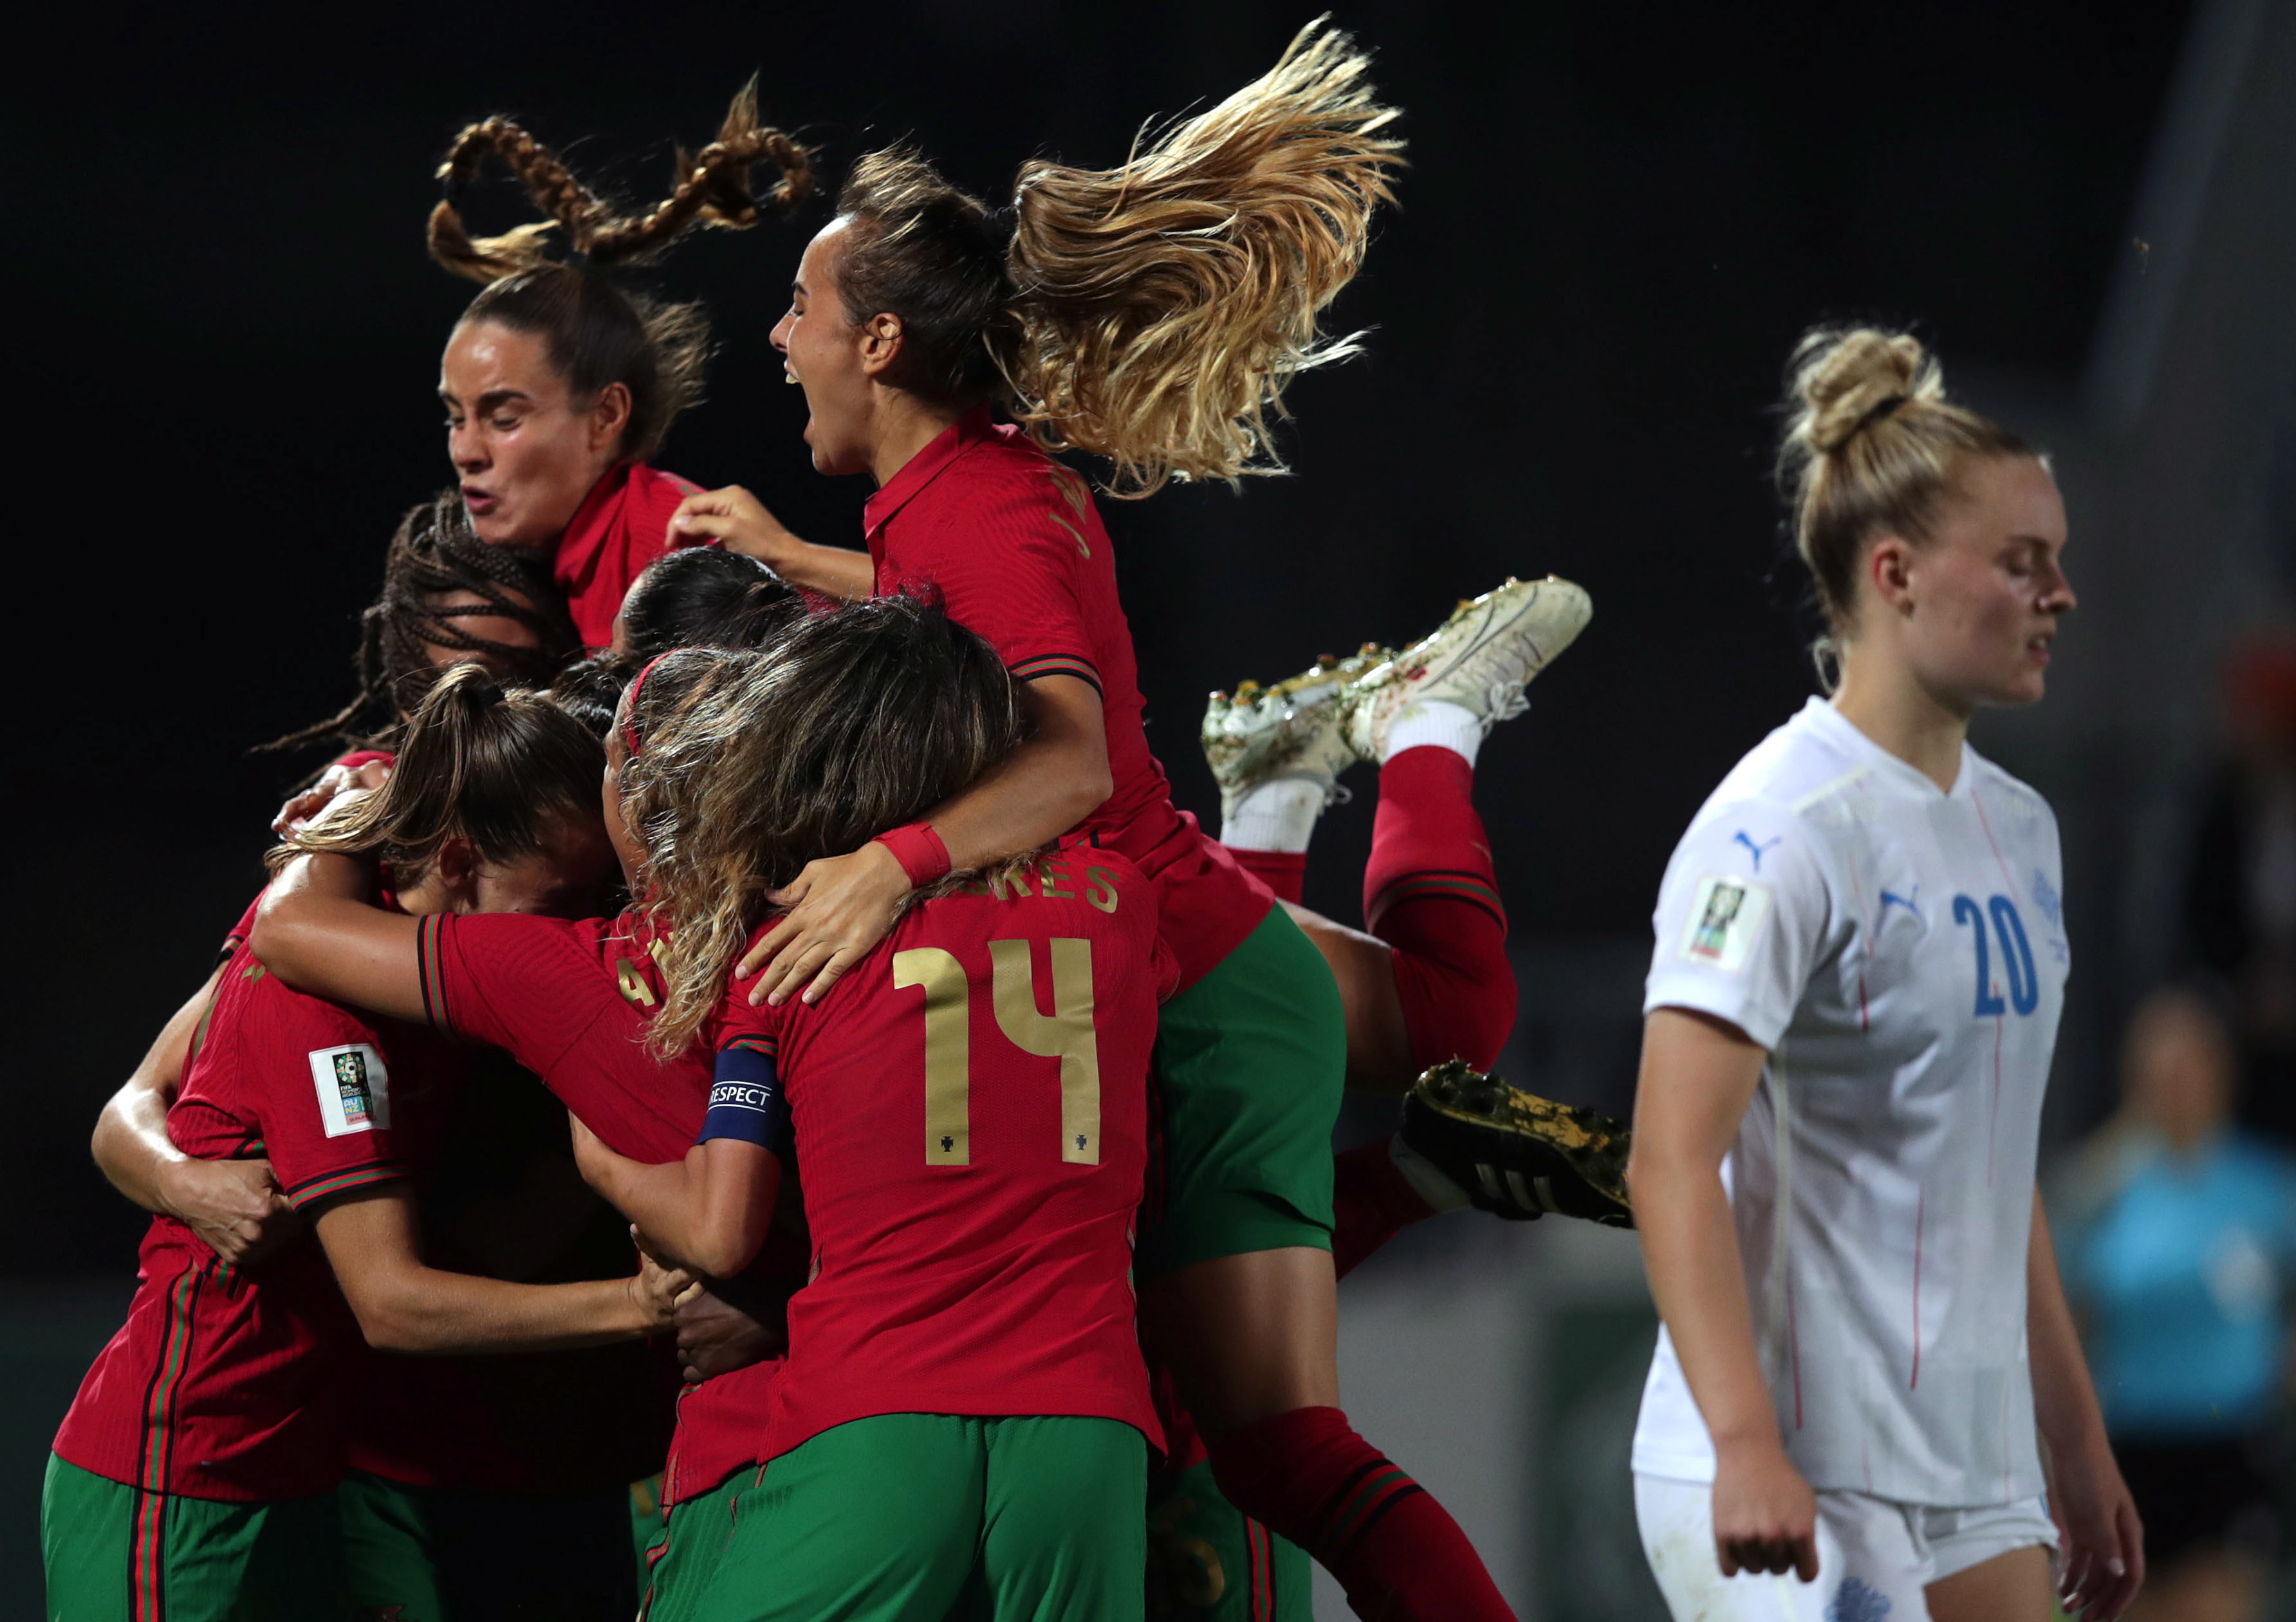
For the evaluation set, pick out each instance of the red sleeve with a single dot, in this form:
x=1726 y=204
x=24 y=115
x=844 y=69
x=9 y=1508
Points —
x=320 y=1083
x=358 y=758
x=1005 y=564
x=528 y=985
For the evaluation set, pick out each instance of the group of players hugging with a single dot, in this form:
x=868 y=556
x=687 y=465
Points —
x=971 y=1110
x=745 y=1017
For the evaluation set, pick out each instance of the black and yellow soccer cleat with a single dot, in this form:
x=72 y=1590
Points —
x=1515 y=1154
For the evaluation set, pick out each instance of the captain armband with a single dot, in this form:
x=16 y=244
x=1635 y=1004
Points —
x=746 y=1101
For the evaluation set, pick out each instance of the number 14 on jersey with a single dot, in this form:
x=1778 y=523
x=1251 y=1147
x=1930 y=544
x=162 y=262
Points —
x=1066 y=1033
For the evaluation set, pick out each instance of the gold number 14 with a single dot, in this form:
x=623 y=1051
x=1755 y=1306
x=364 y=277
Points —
x=1066 y=1033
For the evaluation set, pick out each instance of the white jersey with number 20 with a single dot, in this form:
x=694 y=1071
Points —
x=1901 y=951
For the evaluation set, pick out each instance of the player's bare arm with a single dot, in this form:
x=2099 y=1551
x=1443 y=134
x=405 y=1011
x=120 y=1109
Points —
x=739 y=521
x=1698 y=1076
x=234 y=1205
x=841 y=907
x=711 y=1211
x=2104 y=1551
x=320 y=931
x=372 y=1240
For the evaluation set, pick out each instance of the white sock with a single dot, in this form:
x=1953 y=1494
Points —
x=1277 y=816
x=1427 y=1179
x=1434 y=720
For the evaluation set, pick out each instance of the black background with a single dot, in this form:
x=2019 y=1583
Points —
x=225 y=337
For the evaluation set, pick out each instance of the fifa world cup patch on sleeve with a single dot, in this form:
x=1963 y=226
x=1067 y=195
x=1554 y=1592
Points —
x=354 y=1089
x=1726 y=917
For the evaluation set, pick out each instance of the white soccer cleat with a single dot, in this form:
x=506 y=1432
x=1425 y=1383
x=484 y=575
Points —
x=1479 y=659
x=1296 y=728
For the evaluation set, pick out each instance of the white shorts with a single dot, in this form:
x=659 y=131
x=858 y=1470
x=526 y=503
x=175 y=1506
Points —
x=1875 y=1557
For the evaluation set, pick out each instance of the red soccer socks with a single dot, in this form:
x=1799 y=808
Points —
x=1307 y=1476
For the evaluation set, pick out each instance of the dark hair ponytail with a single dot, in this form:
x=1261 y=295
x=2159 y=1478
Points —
x=434 y=554
x=597 y=334
x=498 y=766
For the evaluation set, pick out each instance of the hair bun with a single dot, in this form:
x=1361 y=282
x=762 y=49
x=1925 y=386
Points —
x=1846 y=378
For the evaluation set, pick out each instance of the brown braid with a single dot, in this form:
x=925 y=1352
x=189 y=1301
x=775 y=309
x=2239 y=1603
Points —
x=713 y=189
x=434 y=553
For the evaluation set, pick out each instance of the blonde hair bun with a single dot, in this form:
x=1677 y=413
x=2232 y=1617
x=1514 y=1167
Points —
x=1846 y=378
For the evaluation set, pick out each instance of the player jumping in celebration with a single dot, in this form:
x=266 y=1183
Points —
x=1860 y=962
x=1151 y=315
x=559 y=385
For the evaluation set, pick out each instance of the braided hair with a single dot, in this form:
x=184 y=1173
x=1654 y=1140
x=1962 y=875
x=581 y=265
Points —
x=598 y=334
x=434 y=557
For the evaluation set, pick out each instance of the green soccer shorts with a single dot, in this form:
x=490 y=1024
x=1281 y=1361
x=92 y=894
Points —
x=116 y=1554
x=924 y=1517
x=1208 y=1562
x=686 y=1548
x=428 y=1554
x=1250 y=1062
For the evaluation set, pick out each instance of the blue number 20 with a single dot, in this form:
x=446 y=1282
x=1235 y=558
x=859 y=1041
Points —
x=2016 y=956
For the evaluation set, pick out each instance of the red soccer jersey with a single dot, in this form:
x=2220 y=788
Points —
x=570 y=1000
x=227 y=1383
x=971 y=1113
x=1011 y=541
x=622 y=525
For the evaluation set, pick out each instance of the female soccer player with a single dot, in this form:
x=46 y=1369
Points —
x=965 y=1408
x=1151 y=315
x=559 y=385
x=195 y=1472
x=1860 y=962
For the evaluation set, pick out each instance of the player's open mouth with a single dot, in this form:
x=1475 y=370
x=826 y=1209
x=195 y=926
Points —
x=789 y=373
x=2038 y=646
x=481 y=502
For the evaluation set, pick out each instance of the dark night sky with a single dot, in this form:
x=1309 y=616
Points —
x=1618 y=218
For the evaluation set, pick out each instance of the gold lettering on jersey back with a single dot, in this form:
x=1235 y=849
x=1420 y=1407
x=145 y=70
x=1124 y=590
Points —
x=948 y=1057
x=1066 y=1033
x=1007 y=882
x=1050 y=876
x=632 y=984
x=1100 y=888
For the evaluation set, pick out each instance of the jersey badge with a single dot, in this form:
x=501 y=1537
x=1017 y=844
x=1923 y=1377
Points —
x=1726 y=920
x=2045 y=897
x=354 y=1089
x=1911 y=900
x=1746 y=839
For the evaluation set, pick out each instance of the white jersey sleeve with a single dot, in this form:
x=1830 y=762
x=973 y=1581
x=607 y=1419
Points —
x=1745 y=914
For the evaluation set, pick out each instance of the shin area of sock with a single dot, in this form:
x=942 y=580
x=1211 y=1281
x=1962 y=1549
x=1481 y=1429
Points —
x=1307 y=1476
x=1372 y=1202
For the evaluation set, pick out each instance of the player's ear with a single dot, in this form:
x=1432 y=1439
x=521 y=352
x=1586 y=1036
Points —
x=456 y=865
x=1889 y=567
x=880 y=343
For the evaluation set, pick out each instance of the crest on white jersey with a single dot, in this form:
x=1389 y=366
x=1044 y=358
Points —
x=1726 y=920
x=354 y=1089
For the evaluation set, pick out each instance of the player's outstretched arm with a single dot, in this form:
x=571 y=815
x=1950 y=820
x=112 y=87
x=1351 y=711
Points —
x=740 y=523
x=234 y=1205
x=2104 y=1548
x=840 y=907
x=711 y=1211
x=373 y=1241
x=1698 y=1076
x=319 y=931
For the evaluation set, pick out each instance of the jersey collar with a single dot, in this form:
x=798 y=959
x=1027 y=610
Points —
x=1824 y=717
x=922 y=468
x=588 y=526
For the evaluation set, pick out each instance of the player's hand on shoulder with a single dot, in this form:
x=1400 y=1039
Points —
x=1765 y=1514
x=2101 y=1545
x=839 y=909
x=715 y=1337
x=334 y=782
x=735 y=519
x=236 y=1206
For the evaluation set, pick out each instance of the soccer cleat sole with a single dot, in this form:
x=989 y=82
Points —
x=1519 y=1156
